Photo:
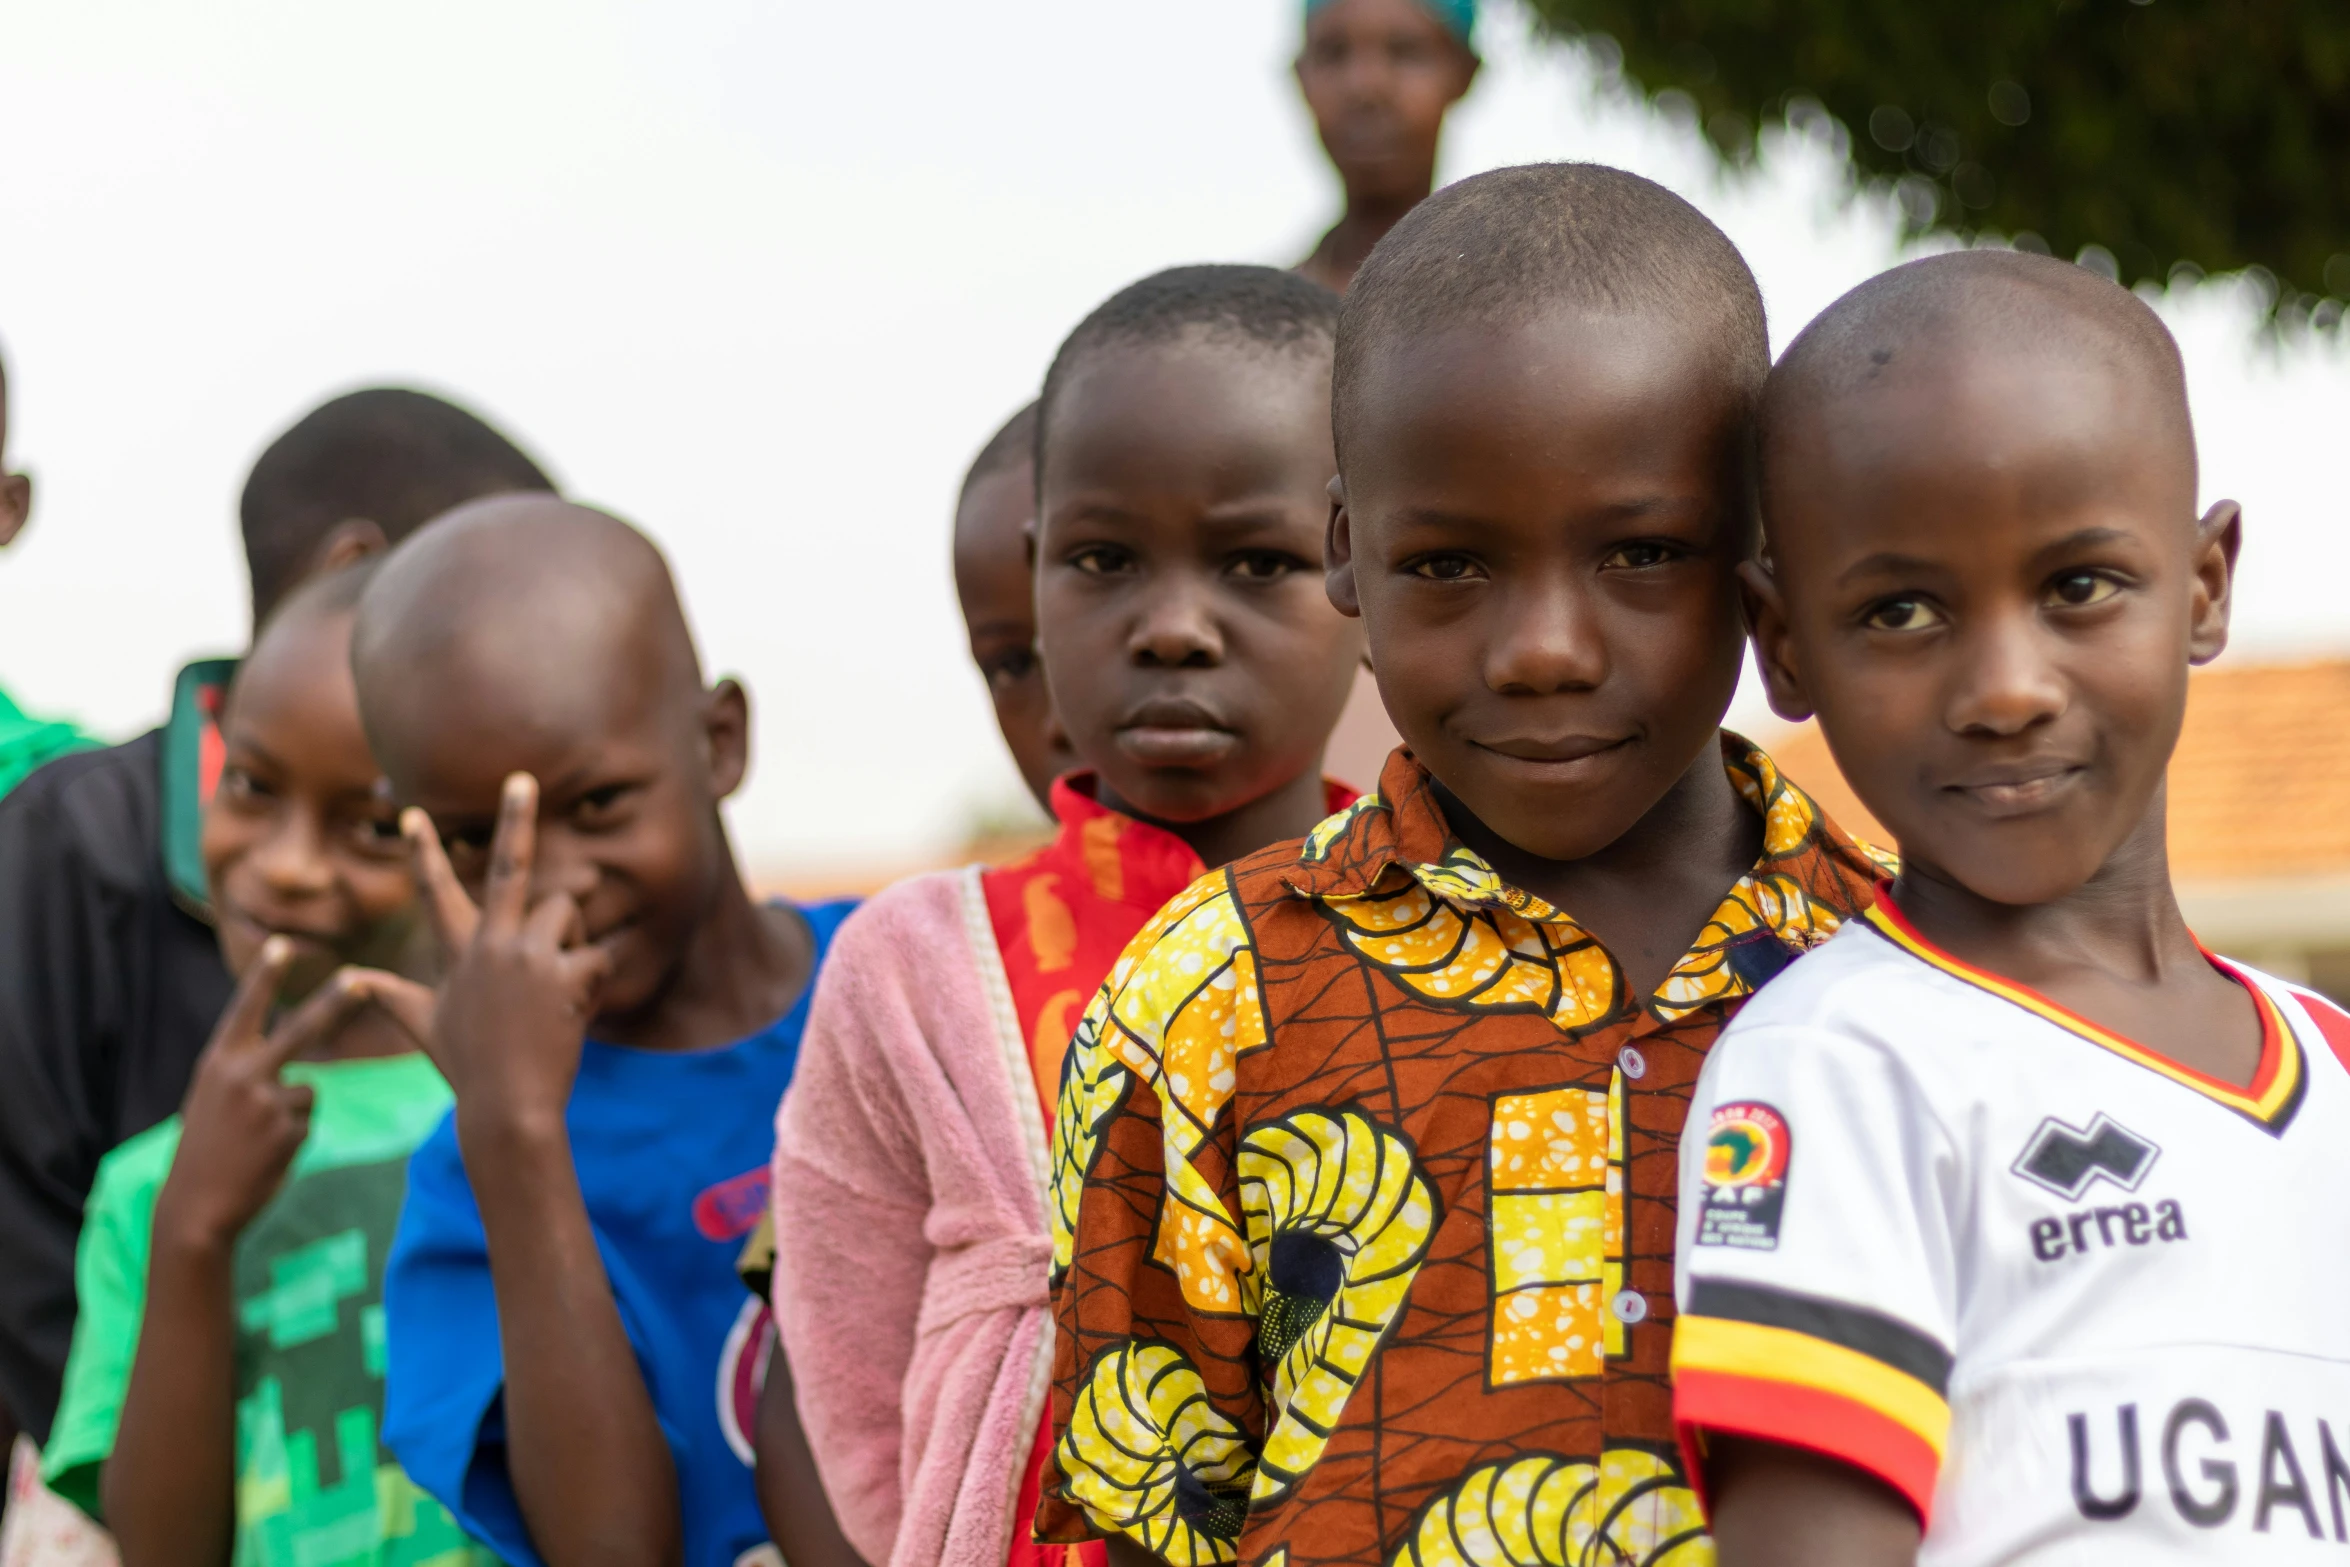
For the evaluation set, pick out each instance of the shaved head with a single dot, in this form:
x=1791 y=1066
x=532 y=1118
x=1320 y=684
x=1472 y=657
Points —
x=1932 y=319
x=529 y=610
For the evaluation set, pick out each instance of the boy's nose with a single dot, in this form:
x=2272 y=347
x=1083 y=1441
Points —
x=1545 y=641
x=292 y=860
x=2007 y=681
x=1178 y=629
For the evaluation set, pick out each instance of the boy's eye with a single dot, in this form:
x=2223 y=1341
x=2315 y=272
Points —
x=2078 y=588
x=1100 y=560
x=238 y=785
x=597 y=803
x=379 y=834
x=1264 y=565
x=1444 y=568
x=1639 y=556
x=469 y=842
x=1903 y=614
x=1010 y=667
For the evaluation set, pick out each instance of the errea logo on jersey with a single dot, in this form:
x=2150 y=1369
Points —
x=2063 y=1159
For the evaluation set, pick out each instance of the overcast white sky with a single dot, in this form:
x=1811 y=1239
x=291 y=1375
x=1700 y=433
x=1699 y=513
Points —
x=759 y=277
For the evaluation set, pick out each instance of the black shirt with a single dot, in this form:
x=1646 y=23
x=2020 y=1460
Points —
x=110 y=981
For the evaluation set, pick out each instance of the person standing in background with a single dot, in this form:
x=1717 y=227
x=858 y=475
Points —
x=1378 y=76
x=25 y=742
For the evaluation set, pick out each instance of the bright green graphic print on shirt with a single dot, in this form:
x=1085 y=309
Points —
x=315 y=1486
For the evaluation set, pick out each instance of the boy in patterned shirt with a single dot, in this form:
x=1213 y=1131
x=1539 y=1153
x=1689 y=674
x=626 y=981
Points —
x=1365 y=1155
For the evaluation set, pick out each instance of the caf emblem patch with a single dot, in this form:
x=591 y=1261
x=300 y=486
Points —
x=1746 y=1152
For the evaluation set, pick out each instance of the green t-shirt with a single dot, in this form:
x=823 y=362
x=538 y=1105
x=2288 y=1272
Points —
x=26 y=743
x=315 y=1485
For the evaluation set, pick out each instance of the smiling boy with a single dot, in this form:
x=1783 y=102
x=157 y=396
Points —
x=1365 y=1162
x=1995 y=1234
x=572 y=1360
x=1198 y=667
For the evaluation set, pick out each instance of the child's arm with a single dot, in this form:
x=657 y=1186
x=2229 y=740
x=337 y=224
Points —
x=1777 y=1506
x=170 y=1487
x=791 y=1496
x=591 y=1469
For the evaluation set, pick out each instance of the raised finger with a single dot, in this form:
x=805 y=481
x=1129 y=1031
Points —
x=557 y=919
x=452 y=913
x=316 y=1019
x=507 y=897
x=586 y=969
x=248 y=1009
x=410 y=1004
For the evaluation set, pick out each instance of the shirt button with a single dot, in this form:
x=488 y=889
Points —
x=1629 y=1306
x=1633 y=1065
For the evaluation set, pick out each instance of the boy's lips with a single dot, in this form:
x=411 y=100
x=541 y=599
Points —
x=1561 y=757
x=1169 y=745
x=2019 y=788
x=1175 y=732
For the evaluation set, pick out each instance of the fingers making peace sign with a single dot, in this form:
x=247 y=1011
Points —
x=522 y=979
x=242 y=1124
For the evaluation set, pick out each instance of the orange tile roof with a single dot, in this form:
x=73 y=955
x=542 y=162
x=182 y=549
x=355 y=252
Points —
x=2259 y=786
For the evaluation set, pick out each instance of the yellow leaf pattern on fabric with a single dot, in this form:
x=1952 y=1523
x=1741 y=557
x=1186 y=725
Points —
x=1177 y=1014
x=1546 y=1511
x=1339 y=1218
x=1093 y=1084
x=1142 y=1419
x=1555 y=1232
x=1332 y=828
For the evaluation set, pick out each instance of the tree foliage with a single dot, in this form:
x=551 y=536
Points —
x=2207 y=133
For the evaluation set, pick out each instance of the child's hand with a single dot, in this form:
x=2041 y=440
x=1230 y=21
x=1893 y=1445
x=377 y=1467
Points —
x=241 y=1125
x=522 y=981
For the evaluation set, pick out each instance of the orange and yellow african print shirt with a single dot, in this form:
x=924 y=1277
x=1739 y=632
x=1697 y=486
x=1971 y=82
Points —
x=1363 y=1203
x=1061 y=916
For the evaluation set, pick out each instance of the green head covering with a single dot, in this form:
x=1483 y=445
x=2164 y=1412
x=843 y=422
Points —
x=1458 y=15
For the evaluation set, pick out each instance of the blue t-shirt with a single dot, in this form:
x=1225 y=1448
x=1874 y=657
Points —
x=672 y=1150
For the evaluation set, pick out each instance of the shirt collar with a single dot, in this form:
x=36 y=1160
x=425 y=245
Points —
x=1365 y=851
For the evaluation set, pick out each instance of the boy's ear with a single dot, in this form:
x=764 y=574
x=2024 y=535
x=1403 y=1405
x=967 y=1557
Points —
x=346 y=544
x=2217 y=539
x=726 y=730
x=1338 y=556
x=1774 y=649
x=16 y=505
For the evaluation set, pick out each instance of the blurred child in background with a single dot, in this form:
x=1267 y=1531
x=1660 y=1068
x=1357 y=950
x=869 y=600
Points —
x=1183 y=459
x=1378 y=77
x=995 y=582
x=25 y=742
x=110 y=973
x=572 y=1359
x=224 y=1397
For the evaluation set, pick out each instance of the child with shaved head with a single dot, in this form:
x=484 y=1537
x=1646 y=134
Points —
x=2006 y=1239
x=1183 y=445
x=572 y=1360
x=1364 y=1156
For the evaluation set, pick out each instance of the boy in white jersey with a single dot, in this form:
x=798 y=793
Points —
x=2014 y=1236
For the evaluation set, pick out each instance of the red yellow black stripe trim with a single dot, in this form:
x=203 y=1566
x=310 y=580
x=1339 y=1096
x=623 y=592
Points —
x=1773 y=1383
x=2276 y=1088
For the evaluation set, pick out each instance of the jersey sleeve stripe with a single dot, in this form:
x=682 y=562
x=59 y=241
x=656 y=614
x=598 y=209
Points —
x=1871 y=1333
x=1805 y=1417
x=1789 y=1360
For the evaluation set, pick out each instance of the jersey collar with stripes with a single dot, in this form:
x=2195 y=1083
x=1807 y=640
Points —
x=2276 y=1088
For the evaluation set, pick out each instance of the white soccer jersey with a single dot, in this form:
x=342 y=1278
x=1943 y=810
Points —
x=2078 y=1303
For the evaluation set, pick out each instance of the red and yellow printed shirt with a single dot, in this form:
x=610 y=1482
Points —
x=1061 y=916
x=1364 y=1195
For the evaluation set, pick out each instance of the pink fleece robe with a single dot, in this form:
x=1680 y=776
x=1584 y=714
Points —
x=911 y=1249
